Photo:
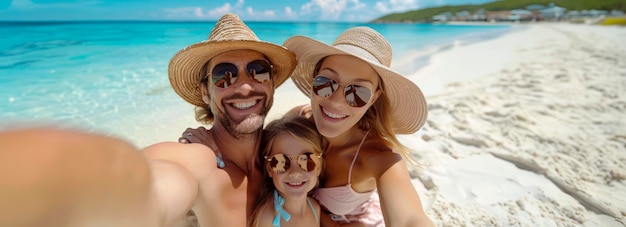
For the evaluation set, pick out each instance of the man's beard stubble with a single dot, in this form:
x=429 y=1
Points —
x=248 y=127
x=251 y=125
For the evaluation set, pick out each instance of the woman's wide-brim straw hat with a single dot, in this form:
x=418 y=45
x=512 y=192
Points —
x=229 y=33
x=408 y=104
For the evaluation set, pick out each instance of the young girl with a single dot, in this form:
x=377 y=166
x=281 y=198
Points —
x=292 y=163
x=359 y=105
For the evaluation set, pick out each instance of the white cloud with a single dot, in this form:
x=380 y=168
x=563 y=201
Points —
x=381 y=6
x=264 y=15
x=269 y=13
x=396 y=5
x=306 y=8
x=185 y=12
x=219 y=11
x=352 y=10
x=198 y=12
x=328 y=9
x=289 y=12
x=226 y=8
x=201 y=13
x=358 y=5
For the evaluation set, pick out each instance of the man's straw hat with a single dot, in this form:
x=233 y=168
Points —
x=408 y=104
x=229 y=33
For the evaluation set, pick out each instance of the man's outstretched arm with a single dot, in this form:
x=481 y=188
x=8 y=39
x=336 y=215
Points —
x=176 y=169
x=52 y=177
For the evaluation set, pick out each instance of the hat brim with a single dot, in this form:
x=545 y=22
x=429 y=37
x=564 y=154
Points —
x=185 y=66
x=408 y=104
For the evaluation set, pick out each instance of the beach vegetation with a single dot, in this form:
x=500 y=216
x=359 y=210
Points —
x=614 y=21
x=426 y=14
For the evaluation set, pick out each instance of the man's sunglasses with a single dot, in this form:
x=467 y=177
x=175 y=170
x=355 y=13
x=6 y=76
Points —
x=225 y=74
x=356 y=95
x=280 y=163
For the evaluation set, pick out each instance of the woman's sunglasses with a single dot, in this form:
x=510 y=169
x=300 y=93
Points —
x=356 y=95
x=280 y=163
x=225 y=74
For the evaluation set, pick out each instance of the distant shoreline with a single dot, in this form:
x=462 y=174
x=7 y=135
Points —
x=483 y=23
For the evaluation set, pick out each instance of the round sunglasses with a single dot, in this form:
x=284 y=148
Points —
x=225 y=74
x=355 y=95
x=280 y=163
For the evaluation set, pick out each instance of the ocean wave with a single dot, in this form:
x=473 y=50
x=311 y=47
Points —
x=28 y=47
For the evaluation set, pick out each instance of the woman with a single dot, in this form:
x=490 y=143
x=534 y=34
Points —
x=358 y=104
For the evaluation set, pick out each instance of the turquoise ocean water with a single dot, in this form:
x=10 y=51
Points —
x=111 y=77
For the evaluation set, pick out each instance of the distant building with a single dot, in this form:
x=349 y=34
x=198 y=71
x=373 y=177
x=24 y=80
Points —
x=494 y=16
x=595 y=13
x=573 y=14
x=463 y=16
x=616 y=13
x=534 y=12
x=442 y=17
x=553 y=12
x=521 y=15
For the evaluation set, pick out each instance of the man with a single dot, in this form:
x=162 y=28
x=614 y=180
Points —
x=53 y=177
x=230 y=78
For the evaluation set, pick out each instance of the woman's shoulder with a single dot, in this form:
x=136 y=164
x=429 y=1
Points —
x=378 y=157
x=376 y=147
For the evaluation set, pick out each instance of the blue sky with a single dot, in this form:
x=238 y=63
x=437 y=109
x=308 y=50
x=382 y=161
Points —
x=249 y=10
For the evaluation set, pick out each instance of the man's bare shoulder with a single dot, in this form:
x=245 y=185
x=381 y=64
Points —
x=196 y=158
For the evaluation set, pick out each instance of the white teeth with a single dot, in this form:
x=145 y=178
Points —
x=295 y=184
x=332 y=115
x=243 y=105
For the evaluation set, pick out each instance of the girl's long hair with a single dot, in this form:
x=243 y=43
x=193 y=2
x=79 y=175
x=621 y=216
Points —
x=296 y=126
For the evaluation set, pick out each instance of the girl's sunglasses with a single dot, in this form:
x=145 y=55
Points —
x=356 y=95
x=280 y=163
x=225 y=74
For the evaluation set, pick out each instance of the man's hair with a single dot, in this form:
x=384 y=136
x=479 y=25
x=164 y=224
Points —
x=203 y=113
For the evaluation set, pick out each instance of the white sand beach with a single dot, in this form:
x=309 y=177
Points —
x=526 y=130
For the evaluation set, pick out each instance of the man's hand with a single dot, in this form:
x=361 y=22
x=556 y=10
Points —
x=199 y=135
